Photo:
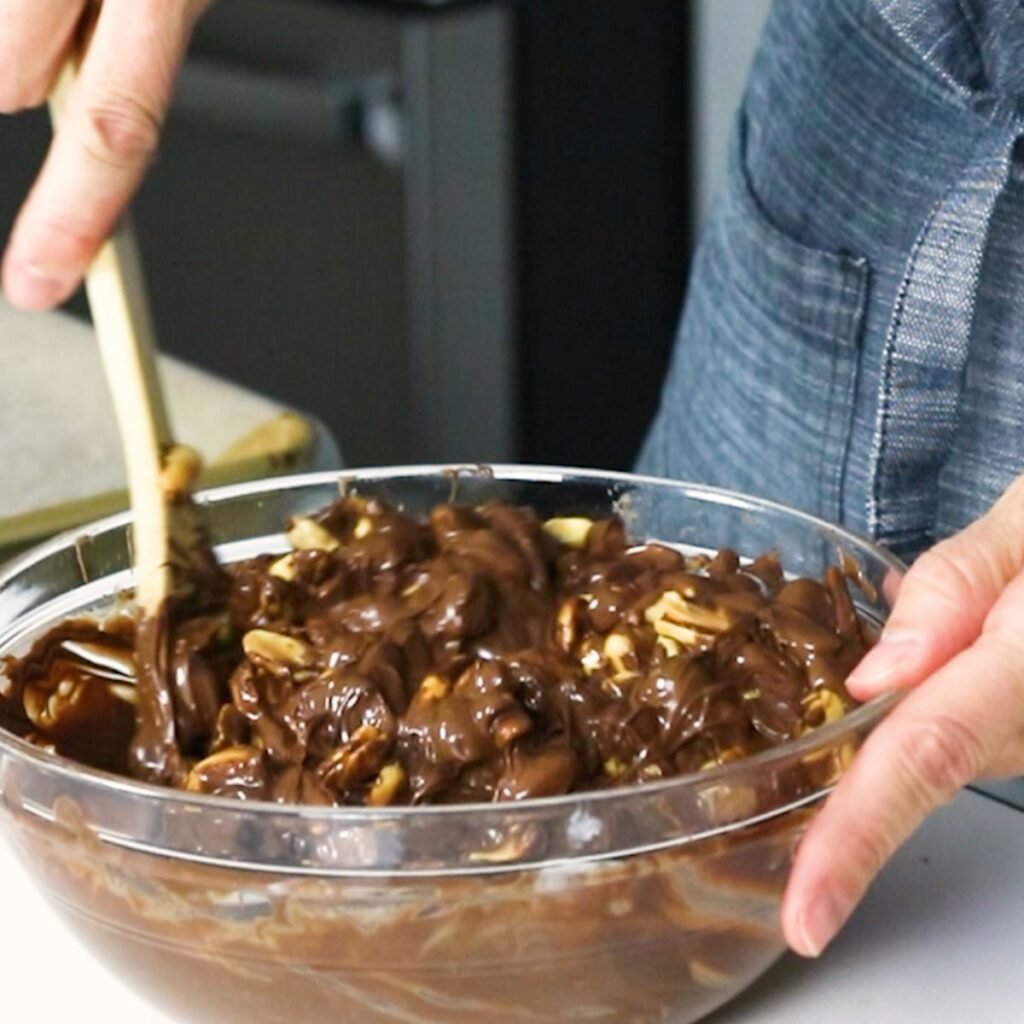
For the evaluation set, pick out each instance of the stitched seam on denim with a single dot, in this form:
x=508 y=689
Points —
x=825 y=493
x=877 y=509
x=930 y=530
x=757 y=224
x=941 y=75
x=878 y=444
x=842 y=403
x=855 y=330
x=933 y=530
x=906 y=57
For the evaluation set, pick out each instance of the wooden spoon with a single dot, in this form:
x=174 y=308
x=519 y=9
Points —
x=171 y=552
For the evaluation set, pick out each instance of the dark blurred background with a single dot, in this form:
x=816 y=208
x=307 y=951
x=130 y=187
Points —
x=452 y=231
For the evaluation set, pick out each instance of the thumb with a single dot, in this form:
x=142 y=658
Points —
x=944 y=600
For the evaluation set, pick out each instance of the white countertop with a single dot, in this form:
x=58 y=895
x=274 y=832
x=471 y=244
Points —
x=939 y=940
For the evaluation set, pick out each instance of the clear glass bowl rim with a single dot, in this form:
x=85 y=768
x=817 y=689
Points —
x=823 y=737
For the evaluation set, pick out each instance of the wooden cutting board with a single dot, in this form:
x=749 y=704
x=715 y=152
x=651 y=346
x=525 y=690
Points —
x=58 y=440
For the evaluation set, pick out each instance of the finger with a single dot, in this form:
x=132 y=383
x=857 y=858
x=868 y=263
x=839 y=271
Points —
x=106 y=139
x=1007 y=617
x=937 y=740
x=34 y=36
x=891 y=585
x=943 y=602
x=1008 y=763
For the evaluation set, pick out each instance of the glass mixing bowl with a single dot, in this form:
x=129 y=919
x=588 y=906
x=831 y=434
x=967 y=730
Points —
x=638 y=905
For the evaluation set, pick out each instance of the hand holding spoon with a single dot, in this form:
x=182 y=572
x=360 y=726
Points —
x=171 y=552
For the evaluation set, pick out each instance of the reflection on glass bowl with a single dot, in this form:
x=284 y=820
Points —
x=635 y=905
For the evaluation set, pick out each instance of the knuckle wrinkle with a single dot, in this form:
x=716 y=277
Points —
x=123 y=132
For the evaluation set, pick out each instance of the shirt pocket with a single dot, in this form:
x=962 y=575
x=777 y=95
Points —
x=760 y=396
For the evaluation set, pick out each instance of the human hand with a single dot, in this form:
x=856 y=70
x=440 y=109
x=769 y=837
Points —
x=955 y=644
x=107 y=135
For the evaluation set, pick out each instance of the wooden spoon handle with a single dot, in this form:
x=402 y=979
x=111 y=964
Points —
x=120 y=313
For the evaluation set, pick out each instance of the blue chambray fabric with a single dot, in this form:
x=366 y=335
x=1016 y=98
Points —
x=853 y=338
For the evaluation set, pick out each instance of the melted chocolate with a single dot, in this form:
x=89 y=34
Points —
x=472 y=657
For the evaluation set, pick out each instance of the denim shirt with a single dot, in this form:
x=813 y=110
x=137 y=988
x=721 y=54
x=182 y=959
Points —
x=853 y=337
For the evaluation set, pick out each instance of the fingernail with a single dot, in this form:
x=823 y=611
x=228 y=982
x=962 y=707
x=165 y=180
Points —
x=884 y=663
x=31 y=286
x=819 y=923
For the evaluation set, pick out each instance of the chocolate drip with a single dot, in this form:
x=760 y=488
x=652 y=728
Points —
x=154 y=754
